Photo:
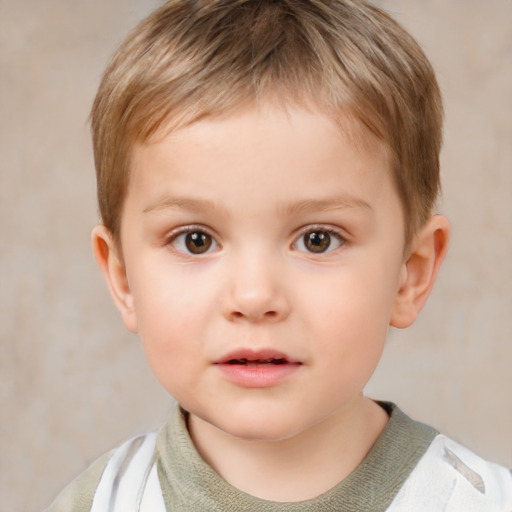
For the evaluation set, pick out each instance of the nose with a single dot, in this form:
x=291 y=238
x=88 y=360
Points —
x=256 y=291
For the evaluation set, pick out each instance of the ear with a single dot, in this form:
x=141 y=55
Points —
x=420 y=270
x=110 y=261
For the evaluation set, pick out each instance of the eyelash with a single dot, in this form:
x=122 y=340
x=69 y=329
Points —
x=211 y=243
x=174 y=238
x=319 y=229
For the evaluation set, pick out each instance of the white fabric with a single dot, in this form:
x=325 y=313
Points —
x=448 y=478
x=152 y=500
x=129 y=482
x=451 y=478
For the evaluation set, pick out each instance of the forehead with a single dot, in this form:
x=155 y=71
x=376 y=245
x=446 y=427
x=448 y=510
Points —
x=259 y=132
x=282 y=160
x=273 y=120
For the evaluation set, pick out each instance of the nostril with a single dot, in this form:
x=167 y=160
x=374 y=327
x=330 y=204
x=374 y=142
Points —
x=269 y=315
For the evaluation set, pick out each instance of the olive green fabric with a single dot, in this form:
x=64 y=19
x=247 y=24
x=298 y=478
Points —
x=78 y=495
x=188 y=483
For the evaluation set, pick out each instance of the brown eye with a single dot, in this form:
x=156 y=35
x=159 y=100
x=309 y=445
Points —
x=198 y=242
x=193 y=242
x=317 y=241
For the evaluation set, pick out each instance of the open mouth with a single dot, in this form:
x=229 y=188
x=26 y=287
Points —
x=257 y=362
x=249 y=357
x=257 y=368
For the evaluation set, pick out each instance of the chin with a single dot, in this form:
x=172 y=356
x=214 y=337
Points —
x=257 y=425
x=260 y=433
x=255 y=419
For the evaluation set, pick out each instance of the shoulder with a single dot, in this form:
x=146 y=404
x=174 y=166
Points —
x=451 y=478
x=130 y=479
x=78 y=495
x=116 y=481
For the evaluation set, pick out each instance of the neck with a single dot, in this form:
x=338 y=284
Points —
x=297 y=468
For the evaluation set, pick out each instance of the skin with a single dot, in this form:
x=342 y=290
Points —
x=253 y=184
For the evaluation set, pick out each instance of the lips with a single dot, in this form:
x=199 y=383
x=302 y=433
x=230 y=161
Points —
x=256 y=362
x=256 y=357
x=257 y=369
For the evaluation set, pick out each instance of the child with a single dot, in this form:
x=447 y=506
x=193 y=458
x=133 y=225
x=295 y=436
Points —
x=267 y=172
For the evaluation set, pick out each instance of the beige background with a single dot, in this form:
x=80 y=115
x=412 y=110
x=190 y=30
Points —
x=73 y=383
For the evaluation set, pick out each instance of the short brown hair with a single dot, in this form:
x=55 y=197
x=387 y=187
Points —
x=196 y=58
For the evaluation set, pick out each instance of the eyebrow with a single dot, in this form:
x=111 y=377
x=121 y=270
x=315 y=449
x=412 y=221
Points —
x=319 y=205
x=184 y=203
x=299 y=207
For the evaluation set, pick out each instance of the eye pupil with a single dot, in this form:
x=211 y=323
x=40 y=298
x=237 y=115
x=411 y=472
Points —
x=198 y=242
x=317 y=241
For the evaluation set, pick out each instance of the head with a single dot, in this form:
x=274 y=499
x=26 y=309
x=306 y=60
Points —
x=194 y=59
x=266 y=173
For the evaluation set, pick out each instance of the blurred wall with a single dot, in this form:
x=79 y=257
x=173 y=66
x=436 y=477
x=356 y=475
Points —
x=73 y=383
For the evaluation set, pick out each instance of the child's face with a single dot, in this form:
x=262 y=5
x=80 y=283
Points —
x=264 y=254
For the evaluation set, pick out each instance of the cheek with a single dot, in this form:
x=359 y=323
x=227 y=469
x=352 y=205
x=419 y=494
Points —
x=171 y=315
x=170 y=331
x=170 y=295
x=348 y=311
x=350 y=337
x=349 y=296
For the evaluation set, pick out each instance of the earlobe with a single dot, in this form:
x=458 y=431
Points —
x=106 y=253
x=420 y=270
